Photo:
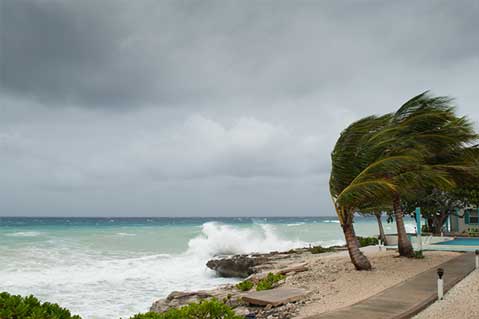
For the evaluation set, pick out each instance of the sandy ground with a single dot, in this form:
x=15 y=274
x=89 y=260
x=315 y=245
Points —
x=460 y=302
x=334 y=283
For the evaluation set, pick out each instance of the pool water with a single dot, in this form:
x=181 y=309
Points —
x=461 y=242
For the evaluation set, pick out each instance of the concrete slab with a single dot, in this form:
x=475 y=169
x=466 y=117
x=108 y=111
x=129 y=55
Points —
x=408 y=298
x=274 y=297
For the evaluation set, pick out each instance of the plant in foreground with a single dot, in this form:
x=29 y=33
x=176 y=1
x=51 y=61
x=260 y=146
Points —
x=18 y=307
x=206 y=309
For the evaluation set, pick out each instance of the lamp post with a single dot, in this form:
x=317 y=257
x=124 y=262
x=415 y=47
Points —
x=477 y=258
x=440 y=284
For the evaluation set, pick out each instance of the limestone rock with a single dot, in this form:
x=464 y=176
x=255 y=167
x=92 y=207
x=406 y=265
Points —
x=236 y=266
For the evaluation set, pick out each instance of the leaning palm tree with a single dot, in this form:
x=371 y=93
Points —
x=378 y=160
x=357 y=176
x=429 y=126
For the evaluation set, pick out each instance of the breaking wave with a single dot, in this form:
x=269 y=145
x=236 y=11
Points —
x=220 y=239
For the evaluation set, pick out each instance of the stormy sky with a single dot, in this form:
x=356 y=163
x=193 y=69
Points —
x=208 y=108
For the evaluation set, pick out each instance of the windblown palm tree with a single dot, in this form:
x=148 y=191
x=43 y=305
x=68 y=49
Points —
x=377 y=160
x=357 y=176
x=429 y=126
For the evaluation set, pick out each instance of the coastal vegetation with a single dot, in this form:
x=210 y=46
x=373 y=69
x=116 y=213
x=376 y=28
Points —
x=383 y=161
x=438 y=205
x=269 y=281
x=18 y=307
x=320 y=249
x=206 y=309
x=245 y=285
x=367 y=241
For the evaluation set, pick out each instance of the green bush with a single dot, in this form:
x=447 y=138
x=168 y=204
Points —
x=417 y=254
x=245 y=285
x=18 y=307
x=206 y=309
x=320 y=250
x=269 y=281
x=473 y=232
x=367 y=241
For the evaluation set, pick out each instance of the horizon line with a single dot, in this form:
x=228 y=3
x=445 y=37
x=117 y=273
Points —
x=304 y=216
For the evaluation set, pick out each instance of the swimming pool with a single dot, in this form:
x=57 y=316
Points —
x=460 y=242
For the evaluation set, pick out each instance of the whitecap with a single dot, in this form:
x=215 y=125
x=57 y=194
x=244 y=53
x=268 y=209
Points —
x=125 y=234
x=295 y=224
x=332 y=221
x=25 y=234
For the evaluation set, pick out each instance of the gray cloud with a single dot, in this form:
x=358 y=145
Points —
x=208 y=108
x=131 y=53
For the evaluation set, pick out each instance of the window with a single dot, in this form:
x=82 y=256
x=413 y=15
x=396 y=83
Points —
x=473 y=216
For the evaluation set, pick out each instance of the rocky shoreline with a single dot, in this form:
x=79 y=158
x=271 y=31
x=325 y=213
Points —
x=328 y=279
x=252 y=267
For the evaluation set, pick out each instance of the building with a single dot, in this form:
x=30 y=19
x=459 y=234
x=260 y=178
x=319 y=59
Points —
x=465 y=221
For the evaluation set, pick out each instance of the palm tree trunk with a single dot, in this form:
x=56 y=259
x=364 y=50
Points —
x=404 y=245
x=359 y=260
x=382 y=236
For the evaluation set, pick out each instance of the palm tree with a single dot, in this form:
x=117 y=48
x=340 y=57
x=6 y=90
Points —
x=382 y=236
x=357 y=176
x=429 y=126
x=378 y=160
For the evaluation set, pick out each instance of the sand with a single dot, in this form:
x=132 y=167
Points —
x=459 y=302
x=334 y=283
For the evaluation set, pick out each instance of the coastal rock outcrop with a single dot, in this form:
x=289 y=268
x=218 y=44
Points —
x=254 y=267
x=242 y=266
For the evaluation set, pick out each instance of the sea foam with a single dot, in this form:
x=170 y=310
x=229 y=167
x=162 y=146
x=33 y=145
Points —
x=99 y=284
x=221 y=239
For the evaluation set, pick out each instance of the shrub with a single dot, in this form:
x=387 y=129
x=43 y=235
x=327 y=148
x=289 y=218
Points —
x=367 y=241
x=320 y=250
x=473 y=231
x=206 y=309
x=18 y=307
x=269 y=281
x=245 y=285
x=417 y=254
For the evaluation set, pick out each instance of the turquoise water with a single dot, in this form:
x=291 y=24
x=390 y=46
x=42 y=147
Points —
x=114 y=267
x=461 y=242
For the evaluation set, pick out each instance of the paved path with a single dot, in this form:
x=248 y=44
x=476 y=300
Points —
x=407 y=298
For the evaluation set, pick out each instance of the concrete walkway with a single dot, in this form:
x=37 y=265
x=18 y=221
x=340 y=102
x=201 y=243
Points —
x=407 y=298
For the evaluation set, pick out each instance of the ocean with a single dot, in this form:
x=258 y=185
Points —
x=104 y=268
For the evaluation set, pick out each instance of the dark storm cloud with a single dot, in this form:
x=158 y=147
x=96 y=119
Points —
x=132 y=53
x=233 y=106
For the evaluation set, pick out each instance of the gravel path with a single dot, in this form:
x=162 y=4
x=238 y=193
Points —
x=460 y=302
